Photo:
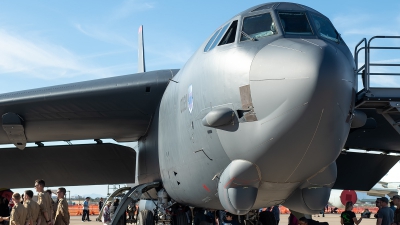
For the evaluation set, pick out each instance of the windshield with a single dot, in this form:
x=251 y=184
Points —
x=295 y=23
x=325 y=29
x=256 y=27
x=211 y=41
x=215 y=38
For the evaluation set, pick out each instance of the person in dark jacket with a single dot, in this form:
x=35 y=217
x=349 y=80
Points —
x=266 y=217
x=4 y=210
x=348 y=217
x=101 y=203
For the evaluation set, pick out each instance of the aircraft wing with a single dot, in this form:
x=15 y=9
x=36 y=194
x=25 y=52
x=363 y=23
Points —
x=120 y=108
x=382 y=192
x=360 y=171
x=384 y=184
x=68 y=165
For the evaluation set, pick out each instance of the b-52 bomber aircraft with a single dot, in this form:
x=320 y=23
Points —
x=258 y=116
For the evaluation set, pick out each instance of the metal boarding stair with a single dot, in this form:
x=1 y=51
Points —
x=133 y=194
x=111 y=198
x=386 y=101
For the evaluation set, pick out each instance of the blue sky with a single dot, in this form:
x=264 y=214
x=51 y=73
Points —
x=45 y=43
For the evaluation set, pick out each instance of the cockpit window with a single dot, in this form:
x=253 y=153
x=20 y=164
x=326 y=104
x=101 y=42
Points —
x=215 y=38
x=325 y=29
x=256 y=27
x=295 y=23
x=230 y=35
x=207 y=48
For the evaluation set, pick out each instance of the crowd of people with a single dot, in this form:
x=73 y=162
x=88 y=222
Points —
x=266 y=216
x=385 y=216
x=45 y=211
x=108 y=210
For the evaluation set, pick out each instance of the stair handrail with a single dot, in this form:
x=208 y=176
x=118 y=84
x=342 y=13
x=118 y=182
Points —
x=356 y=51
x=367 y=47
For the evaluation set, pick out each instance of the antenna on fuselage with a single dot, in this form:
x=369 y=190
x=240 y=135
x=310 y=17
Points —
x=141 y=63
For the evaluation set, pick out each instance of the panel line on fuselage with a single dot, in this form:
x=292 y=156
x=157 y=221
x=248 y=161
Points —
x=305 y=153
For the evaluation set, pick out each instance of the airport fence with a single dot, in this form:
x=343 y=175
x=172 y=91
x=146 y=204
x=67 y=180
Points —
x=75 y=210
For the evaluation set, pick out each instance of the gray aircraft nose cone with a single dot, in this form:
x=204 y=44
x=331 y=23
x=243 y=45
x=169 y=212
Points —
x=301 y=92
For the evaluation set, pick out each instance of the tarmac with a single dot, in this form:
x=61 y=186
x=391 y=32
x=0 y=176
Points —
x=332 y=219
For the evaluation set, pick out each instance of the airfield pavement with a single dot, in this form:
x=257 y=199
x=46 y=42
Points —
x=332 y=219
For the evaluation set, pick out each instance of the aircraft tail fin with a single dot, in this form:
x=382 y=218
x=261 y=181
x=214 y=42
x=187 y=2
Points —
x=141 y=62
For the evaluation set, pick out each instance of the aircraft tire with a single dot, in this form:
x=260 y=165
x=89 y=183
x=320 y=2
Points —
x=145 y=217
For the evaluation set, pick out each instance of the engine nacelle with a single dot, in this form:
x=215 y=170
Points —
x=238 y=186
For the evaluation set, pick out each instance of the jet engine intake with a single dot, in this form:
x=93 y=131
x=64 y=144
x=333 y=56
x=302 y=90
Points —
x=238 y=186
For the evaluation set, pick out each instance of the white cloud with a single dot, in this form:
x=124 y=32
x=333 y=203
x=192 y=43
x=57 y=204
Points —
x=128 y=7
x=162 y=55
x=370 y=31
x=19 y=54
x=365 y=24
x=356 y=25
x=44 y=60
x=388 y=61
x=349 y=21
x=103 y=34
x=171 y=54
x=104 y=54
x=385 y=81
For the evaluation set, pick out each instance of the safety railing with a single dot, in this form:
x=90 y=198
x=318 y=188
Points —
x=364 y=70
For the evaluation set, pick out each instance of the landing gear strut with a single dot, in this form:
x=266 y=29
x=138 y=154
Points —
x=134 y=195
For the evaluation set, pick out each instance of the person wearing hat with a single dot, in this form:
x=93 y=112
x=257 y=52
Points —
x=106 y=217
x=85 y=214
x=385 y=214
x=396 y=201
